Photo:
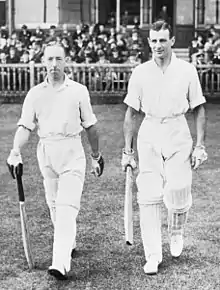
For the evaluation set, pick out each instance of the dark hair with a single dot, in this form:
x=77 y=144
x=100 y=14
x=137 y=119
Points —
x=161 y=24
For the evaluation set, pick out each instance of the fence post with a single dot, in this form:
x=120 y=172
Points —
x=32 y=82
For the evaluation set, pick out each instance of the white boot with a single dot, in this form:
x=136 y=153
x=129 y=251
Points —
x=150 y=222
x=151 y=267
x=176 y=245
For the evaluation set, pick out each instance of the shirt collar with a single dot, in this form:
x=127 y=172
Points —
x=65 y=83
x=172 y=61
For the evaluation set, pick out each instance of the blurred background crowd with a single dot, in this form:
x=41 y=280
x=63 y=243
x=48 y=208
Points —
x=205 y=49
x=87 y=44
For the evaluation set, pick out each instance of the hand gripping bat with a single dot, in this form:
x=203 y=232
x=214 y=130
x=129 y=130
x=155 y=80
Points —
x=24 y=221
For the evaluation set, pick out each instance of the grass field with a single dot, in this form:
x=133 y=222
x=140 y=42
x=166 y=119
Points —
x=103 y=261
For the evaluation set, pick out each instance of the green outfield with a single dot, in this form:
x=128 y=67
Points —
x=102 y=260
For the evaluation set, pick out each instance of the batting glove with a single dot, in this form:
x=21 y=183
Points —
x=97 y=165
x=15 y=164
x=128 y=160
x=199 y=156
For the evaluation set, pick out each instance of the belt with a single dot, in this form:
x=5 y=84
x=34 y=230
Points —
x=50 y=139
x=162 y=120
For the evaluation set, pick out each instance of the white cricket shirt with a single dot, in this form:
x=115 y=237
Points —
x=166 y=94
x=62 y=112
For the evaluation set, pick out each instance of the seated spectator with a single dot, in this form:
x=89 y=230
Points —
x=25 y=57
x=124 y=32
x=77 y=33
x=134 y=39
x=11 y=41
x=216 y=58
x=25 y=35
x=213 y=33
x=115 y=57
x=209 y=50
x=38 y=53
x=66 y=45
x=3 y=43
x=3 y=58
x=133 y=58
x=38 y=35
x=200 y=42
x=3 y=32
x=102 y=33
x=101 y=57
x=65 y=32
x=19 y=48
x=120 y=42
x=112 y=33
x=75 y=58
x=193 y=48
x=52 y=34
x=200 y=58
x=13 y=57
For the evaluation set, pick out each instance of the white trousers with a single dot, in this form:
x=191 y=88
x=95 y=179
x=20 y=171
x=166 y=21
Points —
x=62 y=164
x=165 y=175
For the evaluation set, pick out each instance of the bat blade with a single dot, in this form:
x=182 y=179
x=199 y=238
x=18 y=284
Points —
x=26 y=236
x=24 y=224
x=128 y=208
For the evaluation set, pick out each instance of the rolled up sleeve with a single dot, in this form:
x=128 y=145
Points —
x=28 y=116
x=133 y=97
x=195 y=95
x=88 y=118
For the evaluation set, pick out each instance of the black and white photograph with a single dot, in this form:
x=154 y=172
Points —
x=110 y=145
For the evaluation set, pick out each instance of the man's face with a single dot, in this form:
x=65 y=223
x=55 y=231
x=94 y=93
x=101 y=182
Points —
x=161 y=43
x=12 y=52
x=54 y=60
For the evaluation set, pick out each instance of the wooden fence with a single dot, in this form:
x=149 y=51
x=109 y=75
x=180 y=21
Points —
x=105 y=80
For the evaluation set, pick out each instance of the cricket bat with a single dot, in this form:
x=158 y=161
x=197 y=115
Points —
x=128 y=208
x=24 y=223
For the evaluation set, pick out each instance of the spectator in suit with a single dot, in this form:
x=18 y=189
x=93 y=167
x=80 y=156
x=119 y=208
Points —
x=13 y=57
x=25 y=35
x=78 y=32
x=25 y=57
x=38 y=35
x=115 y=56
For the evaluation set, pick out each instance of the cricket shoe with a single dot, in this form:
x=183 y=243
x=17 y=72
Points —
x=57 y=273
x=176 y=245
x=151 y=267
x=73 y=253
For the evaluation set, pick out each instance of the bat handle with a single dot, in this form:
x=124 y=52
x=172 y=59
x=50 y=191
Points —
x=20 y=188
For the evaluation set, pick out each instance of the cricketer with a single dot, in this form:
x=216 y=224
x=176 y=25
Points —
x=60 y=109
x=164 y=88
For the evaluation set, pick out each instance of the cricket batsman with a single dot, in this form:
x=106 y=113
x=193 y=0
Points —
x=164 y=88
x=60 y=109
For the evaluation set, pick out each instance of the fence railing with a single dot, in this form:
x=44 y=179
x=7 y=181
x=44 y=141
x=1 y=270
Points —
x=104 y=80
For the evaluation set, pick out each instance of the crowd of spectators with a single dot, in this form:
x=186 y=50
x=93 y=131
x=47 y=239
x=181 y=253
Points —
x=86 y=44
x=205 y=49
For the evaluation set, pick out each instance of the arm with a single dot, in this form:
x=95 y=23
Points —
x=200 y=123
x=129 y=127
x=93 y=138
x=21 y=138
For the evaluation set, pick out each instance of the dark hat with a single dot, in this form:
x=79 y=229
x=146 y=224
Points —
x=24 y=26
x=52 y=27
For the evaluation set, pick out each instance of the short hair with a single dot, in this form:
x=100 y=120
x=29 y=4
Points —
x=161 y=24
x=54 y=43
